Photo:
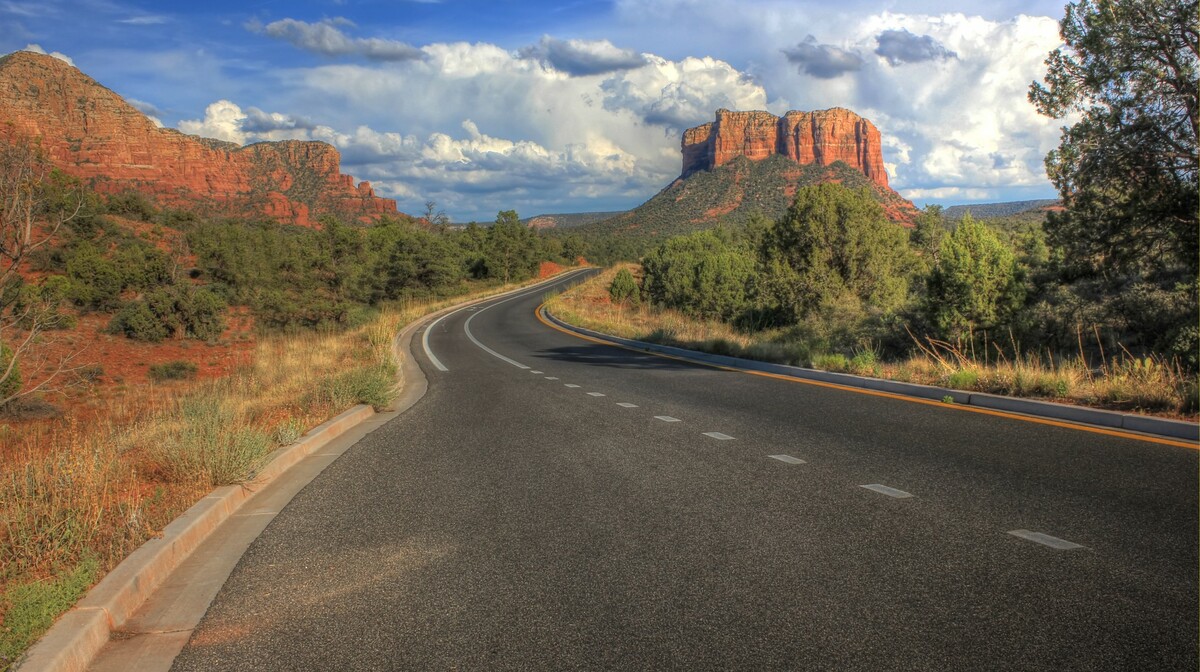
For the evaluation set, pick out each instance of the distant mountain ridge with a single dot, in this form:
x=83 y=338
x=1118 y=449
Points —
x=1006 y=209
x=568 y=220
x=91 y=132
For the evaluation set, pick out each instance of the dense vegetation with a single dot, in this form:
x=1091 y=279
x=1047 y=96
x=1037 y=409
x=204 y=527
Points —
x=835 y=276
x=164 y=274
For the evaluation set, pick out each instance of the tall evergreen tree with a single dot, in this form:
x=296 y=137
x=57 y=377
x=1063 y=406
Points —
x=975 y=283
x=833 y=245
x=1127 y=169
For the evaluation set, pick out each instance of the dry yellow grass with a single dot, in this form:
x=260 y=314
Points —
x=1126 y=382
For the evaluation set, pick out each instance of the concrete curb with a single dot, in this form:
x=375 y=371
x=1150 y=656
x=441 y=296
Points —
x=1142 y=424
x=78 y=636
x=75 y=639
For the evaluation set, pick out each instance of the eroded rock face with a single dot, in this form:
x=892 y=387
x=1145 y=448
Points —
x=92 y=133
x=820 y=137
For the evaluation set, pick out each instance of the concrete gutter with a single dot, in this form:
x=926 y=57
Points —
x=1130 y=422
x=80 y=634
x=75 y=640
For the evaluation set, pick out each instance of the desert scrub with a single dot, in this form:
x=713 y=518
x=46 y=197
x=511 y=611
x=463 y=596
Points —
x=215 y=443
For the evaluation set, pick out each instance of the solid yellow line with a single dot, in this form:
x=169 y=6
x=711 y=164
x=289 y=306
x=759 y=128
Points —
x=879 y=393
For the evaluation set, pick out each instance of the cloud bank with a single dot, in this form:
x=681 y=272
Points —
x=570 y=124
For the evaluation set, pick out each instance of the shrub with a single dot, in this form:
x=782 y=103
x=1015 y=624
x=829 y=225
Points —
x=176 y=370
x=90 y=373
x=96 y=282
x=130 y=204
x=138 y=322
x=289 y=432
x=624 y=288
x=200 y=313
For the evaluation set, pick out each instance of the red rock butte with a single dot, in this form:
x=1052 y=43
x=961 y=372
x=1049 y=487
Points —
x=820 y=137
x=90 y=132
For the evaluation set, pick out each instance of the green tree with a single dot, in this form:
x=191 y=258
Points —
x=573 y=248
x=927 y=234
x=511 y=250
x=834 y=246
x=976 y=282
x=706 y=274
x=138 y=322
x=1127 y=169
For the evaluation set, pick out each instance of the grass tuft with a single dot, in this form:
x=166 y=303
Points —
x=30 y=608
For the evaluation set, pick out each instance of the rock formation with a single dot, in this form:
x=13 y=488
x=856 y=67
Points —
x=820 y=138
x=747 y=164
x=90 y=132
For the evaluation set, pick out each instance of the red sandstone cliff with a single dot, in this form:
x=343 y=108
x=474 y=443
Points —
x=92 y=133
x=820 y=137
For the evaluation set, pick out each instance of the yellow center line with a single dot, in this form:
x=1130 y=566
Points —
x=877 y=393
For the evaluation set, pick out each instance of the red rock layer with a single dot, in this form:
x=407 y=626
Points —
x=92 y=133
x=820 y=137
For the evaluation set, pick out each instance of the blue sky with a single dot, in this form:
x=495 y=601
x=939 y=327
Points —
x=571 y=106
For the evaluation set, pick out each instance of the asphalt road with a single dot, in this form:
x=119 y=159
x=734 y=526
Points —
x=577 y=514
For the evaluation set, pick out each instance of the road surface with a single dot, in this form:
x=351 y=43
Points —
x=555 y=504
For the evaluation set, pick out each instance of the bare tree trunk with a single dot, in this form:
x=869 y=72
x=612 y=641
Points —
x=27 y=222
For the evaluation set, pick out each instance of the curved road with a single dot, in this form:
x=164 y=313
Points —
x=555 y=504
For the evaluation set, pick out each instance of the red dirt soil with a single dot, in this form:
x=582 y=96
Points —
x=124 y=364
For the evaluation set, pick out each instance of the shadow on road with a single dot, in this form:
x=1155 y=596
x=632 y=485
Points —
x=600 y=355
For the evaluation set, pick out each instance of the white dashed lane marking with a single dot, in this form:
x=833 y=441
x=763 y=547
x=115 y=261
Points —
x=596 y=394
x=626 y=404
x=666 y=418
x=719 y=436
x=551 y=378
x=885 y=490
x=1046 y=540
x=570 y=385
x=788 y=458
x=537 y=372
